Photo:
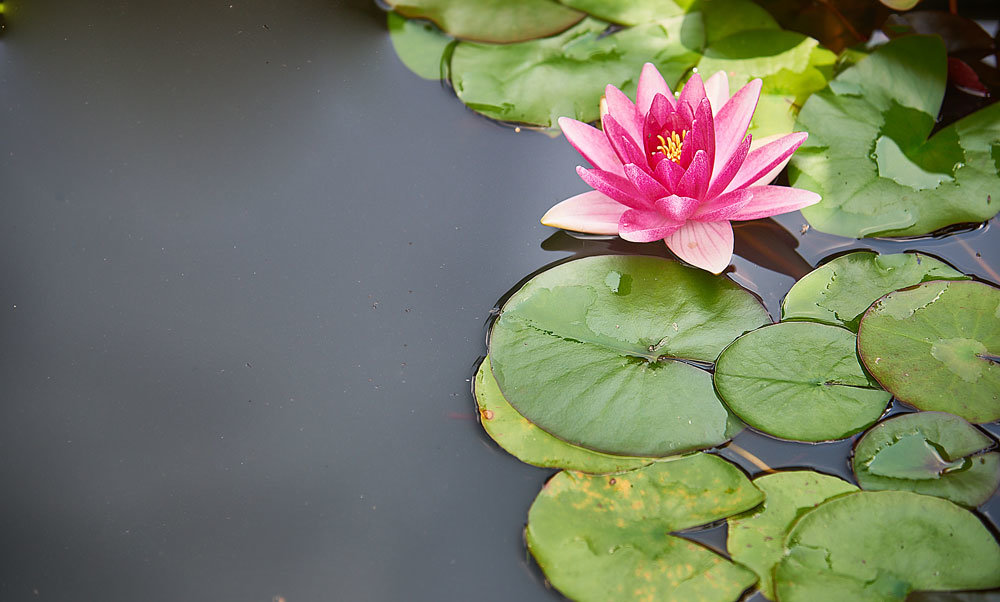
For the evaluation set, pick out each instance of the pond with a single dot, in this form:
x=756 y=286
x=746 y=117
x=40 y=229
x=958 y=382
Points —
x=247 y=263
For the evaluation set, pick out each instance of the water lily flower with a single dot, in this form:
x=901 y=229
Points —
x=678 y=169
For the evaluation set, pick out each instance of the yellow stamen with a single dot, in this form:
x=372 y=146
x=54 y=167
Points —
x=671 y=146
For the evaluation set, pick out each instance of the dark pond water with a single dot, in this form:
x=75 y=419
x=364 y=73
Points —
x=246 y=259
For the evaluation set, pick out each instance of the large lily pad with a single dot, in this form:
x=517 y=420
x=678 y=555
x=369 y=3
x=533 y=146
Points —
x=756 y=538
x=933 y=453
x=840 y=291
x=799 y=380
x=868 y=153
x=606 y=538
x=880 y=545
x=598 y=352
x=539 y=81
x=492 y=20
x=419 y=44
x=936 y=346
x=531 y=444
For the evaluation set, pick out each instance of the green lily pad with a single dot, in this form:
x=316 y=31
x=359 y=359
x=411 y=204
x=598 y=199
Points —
x=497 y=21
x=419 y=44
x=598 y=352
x=721 y=17
x=799 y=380
x=933 y=453
x=840 y=291
x=606 y=538
x=868 y=153
x=539 y=81
x=880 y=545
x=531 y=444
x=756 y=538
x=936 y=346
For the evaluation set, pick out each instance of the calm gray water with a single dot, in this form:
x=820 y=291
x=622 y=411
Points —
x=246 y=259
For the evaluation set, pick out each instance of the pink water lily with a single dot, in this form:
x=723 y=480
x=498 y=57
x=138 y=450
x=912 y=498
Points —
x=678 y=169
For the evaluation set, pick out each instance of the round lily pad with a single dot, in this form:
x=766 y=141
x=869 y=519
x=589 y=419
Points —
x=933 y=453
x=531 y=444
x=756 y=538
x=606 y=538
x=880 y=545
x=839 y=292
x=600 y=352
x=492 y=20
x=799 y=380
x=419 y=44
x=936 y=346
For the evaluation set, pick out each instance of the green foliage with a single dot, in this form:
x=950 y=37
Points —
x=419 y=44
x=492 y=20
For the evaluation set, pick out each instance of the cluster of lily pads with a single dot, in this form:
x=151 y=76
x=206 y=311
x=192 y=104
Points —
x=620 y=370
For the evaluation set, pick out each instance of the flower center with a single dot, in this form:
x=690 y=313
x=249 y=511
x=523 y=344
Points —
x=671 y=146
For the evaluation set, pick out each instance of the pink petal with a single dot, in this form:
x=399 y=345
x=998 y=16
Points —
x=644 y=183
x=695 y=181
x=707 y=245
x=590 y=212
x=619 y=138
x=592 y=144
x=717 y=90
x=701 y=136
x=668 y=173
x=732 y=121
x=624 y=112
x=692 y=93
x=677 y=208
x=724 y=206
x=614 y=186
x=645 y=226
x=766 y=159
x=772 y=200
x=650 y=84
x=722 y=178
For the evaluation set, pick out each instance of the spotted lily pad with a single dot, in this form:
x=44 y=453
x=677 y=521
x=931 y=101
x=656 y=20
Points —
x=599 y=352
x=869 y=156
x=756 y=538
x=840 y=291
x=936 y=346
x=492 y=20
x=799 y=380
x=933 y=453
x=880 y=545
x=606 y=538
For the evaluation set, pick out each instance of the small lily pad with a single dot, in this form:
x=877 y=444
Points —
x=531 y=444
x=606 y=538
x=603 y=353
x=933 y=453
x=799 y=380
x=497 y=21
x=419 y=44
x=840 y=291
x=756 y=538
x=880 y=545
x=936 y=346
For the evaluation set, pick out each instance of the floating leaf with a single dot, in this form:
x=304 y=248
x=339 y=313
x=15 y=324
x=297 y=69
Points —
x=531 y=444
x=756 y=538
x=869 y=157
x=839 y=292
x=606 y=538
x=799 y=380
x=933 y=453
x=721 y=17
x=598 y=352
x=492 y=20
x=900 y=4
x=539 y=81
x=880 y=545
x=936 y=346
x=837 y=24
x=419 y=44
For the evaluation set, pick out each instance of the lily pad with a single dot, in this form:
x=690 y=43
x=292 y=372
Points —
x=933 y=453
x=721 y=17
x=936 y=346
x=419 y=44
x=756 y=538
x=599 y=352
x=492 y=20
x=799 y=380
x=539 y=81
x=880 y=545
x=531 y=444
x=606 y=538
x=840 y=291
x=868 y=153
